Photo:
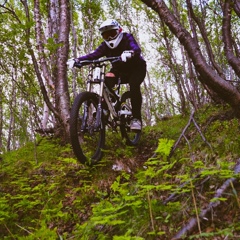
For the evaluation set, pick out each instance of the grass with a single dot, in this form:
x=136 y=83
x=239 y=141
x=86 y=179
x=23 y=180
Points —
x=46 y=194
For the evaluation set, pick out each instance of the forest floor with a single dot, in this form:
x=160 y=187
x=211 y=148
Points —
x=181 y=181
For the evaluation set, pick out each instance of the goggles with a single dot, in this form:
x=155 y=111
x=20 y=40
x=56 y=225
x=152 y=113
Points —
x=110 y=34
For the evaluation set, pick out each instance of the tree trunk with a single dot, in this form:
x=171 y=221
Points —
x=208 y=76
x=35 y=62
x=61 y=83
x=1 y=119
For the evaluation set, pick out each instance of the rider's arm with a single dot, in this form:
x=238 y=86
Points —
x=96 y=54
x=133 y=45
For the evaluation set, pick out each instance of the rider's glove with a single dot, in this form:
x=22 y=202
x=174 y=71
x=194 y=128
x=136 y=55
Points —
x=126 y=55
x=71 y=63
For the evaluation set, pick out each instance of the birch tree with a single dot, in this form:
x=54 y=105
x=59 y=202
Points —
x=35 y=47
x=53 y=40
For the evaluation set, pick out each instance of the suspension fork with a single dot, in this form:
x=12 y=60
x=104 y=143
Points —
x=85 y=111
x=99 y=107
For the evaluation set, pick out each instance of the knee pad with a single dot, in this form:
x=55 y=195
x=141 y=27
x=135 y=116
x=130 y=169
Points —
x=109 y=75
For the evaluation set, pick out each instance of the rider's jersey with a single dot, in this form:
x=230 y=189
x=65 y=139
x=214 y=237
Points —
x=127 y=43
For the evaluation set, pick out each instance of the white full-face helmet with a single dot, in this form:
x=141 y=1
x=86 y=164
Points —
x=111 y=32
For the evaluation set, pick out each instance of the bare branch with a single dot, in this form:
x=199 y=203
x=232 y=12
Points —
x=191 y=120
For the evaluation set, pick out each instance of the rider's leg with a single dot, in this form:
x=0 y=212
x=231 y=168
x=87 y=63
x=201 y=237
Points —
x=110 y=80
x=135 y=80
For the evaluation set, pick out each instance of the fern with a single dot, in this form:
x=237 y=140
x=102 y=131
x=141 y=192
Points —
x=164 y=147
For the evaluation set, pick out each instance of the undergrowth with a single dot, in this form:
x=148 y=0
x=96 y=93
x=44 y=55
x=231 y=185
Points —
x=46 y=194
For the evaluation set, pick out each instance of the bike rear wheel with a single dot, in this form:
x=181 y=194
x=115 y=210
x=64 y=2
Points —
x=132 y=138
x=87 y=139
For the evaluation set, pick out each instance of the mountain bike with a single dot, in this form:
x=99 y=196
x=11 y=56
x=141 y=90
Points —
x=99 y=108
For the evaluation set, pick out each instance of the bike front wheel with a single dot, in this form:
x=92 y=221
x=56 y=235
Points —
x=132 y=138
x=87 y=136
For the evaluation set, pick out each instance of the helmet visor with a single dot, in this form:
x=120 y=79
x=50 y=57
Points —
x=110 y=34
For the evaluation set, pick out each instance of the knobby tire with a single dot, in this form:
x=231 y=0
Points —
x=87 y=141
x=132 y=138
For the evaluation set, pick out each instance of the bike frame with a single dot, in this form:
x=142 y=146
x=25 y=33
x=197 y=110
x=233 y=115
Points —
x=96 y=75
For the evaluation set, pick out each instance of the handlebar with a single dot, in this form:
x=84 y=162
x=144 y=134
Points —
x=96 y=61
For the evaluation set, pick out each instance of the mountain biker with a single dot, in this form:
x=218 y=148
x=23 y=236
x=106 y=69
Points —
x=132 y=68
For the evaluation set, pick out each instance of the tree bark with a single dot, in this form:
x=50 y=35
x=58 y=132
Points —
x=35 y=64
x=61 y=83
x=1 y=118
x=236 y=6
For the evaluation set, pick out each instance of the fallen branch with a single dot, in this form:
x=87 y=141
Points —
x=179 y=139
x=191 y=120
x=173 y=197
x=213 y=204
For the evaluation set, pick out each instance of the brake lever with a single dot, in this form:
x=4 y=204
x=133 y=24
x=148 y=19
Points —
x=77 y=64
x=116 y=60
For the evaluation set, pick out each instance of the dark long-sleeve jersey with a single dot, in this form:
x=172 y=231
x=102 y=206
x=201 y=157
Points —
x=127 y=43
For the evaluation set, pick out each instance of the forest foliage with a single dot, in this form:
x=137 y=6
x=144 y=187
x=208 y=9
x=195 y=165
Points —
x=193 y=57
x=47 y=194
x=191 y=49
